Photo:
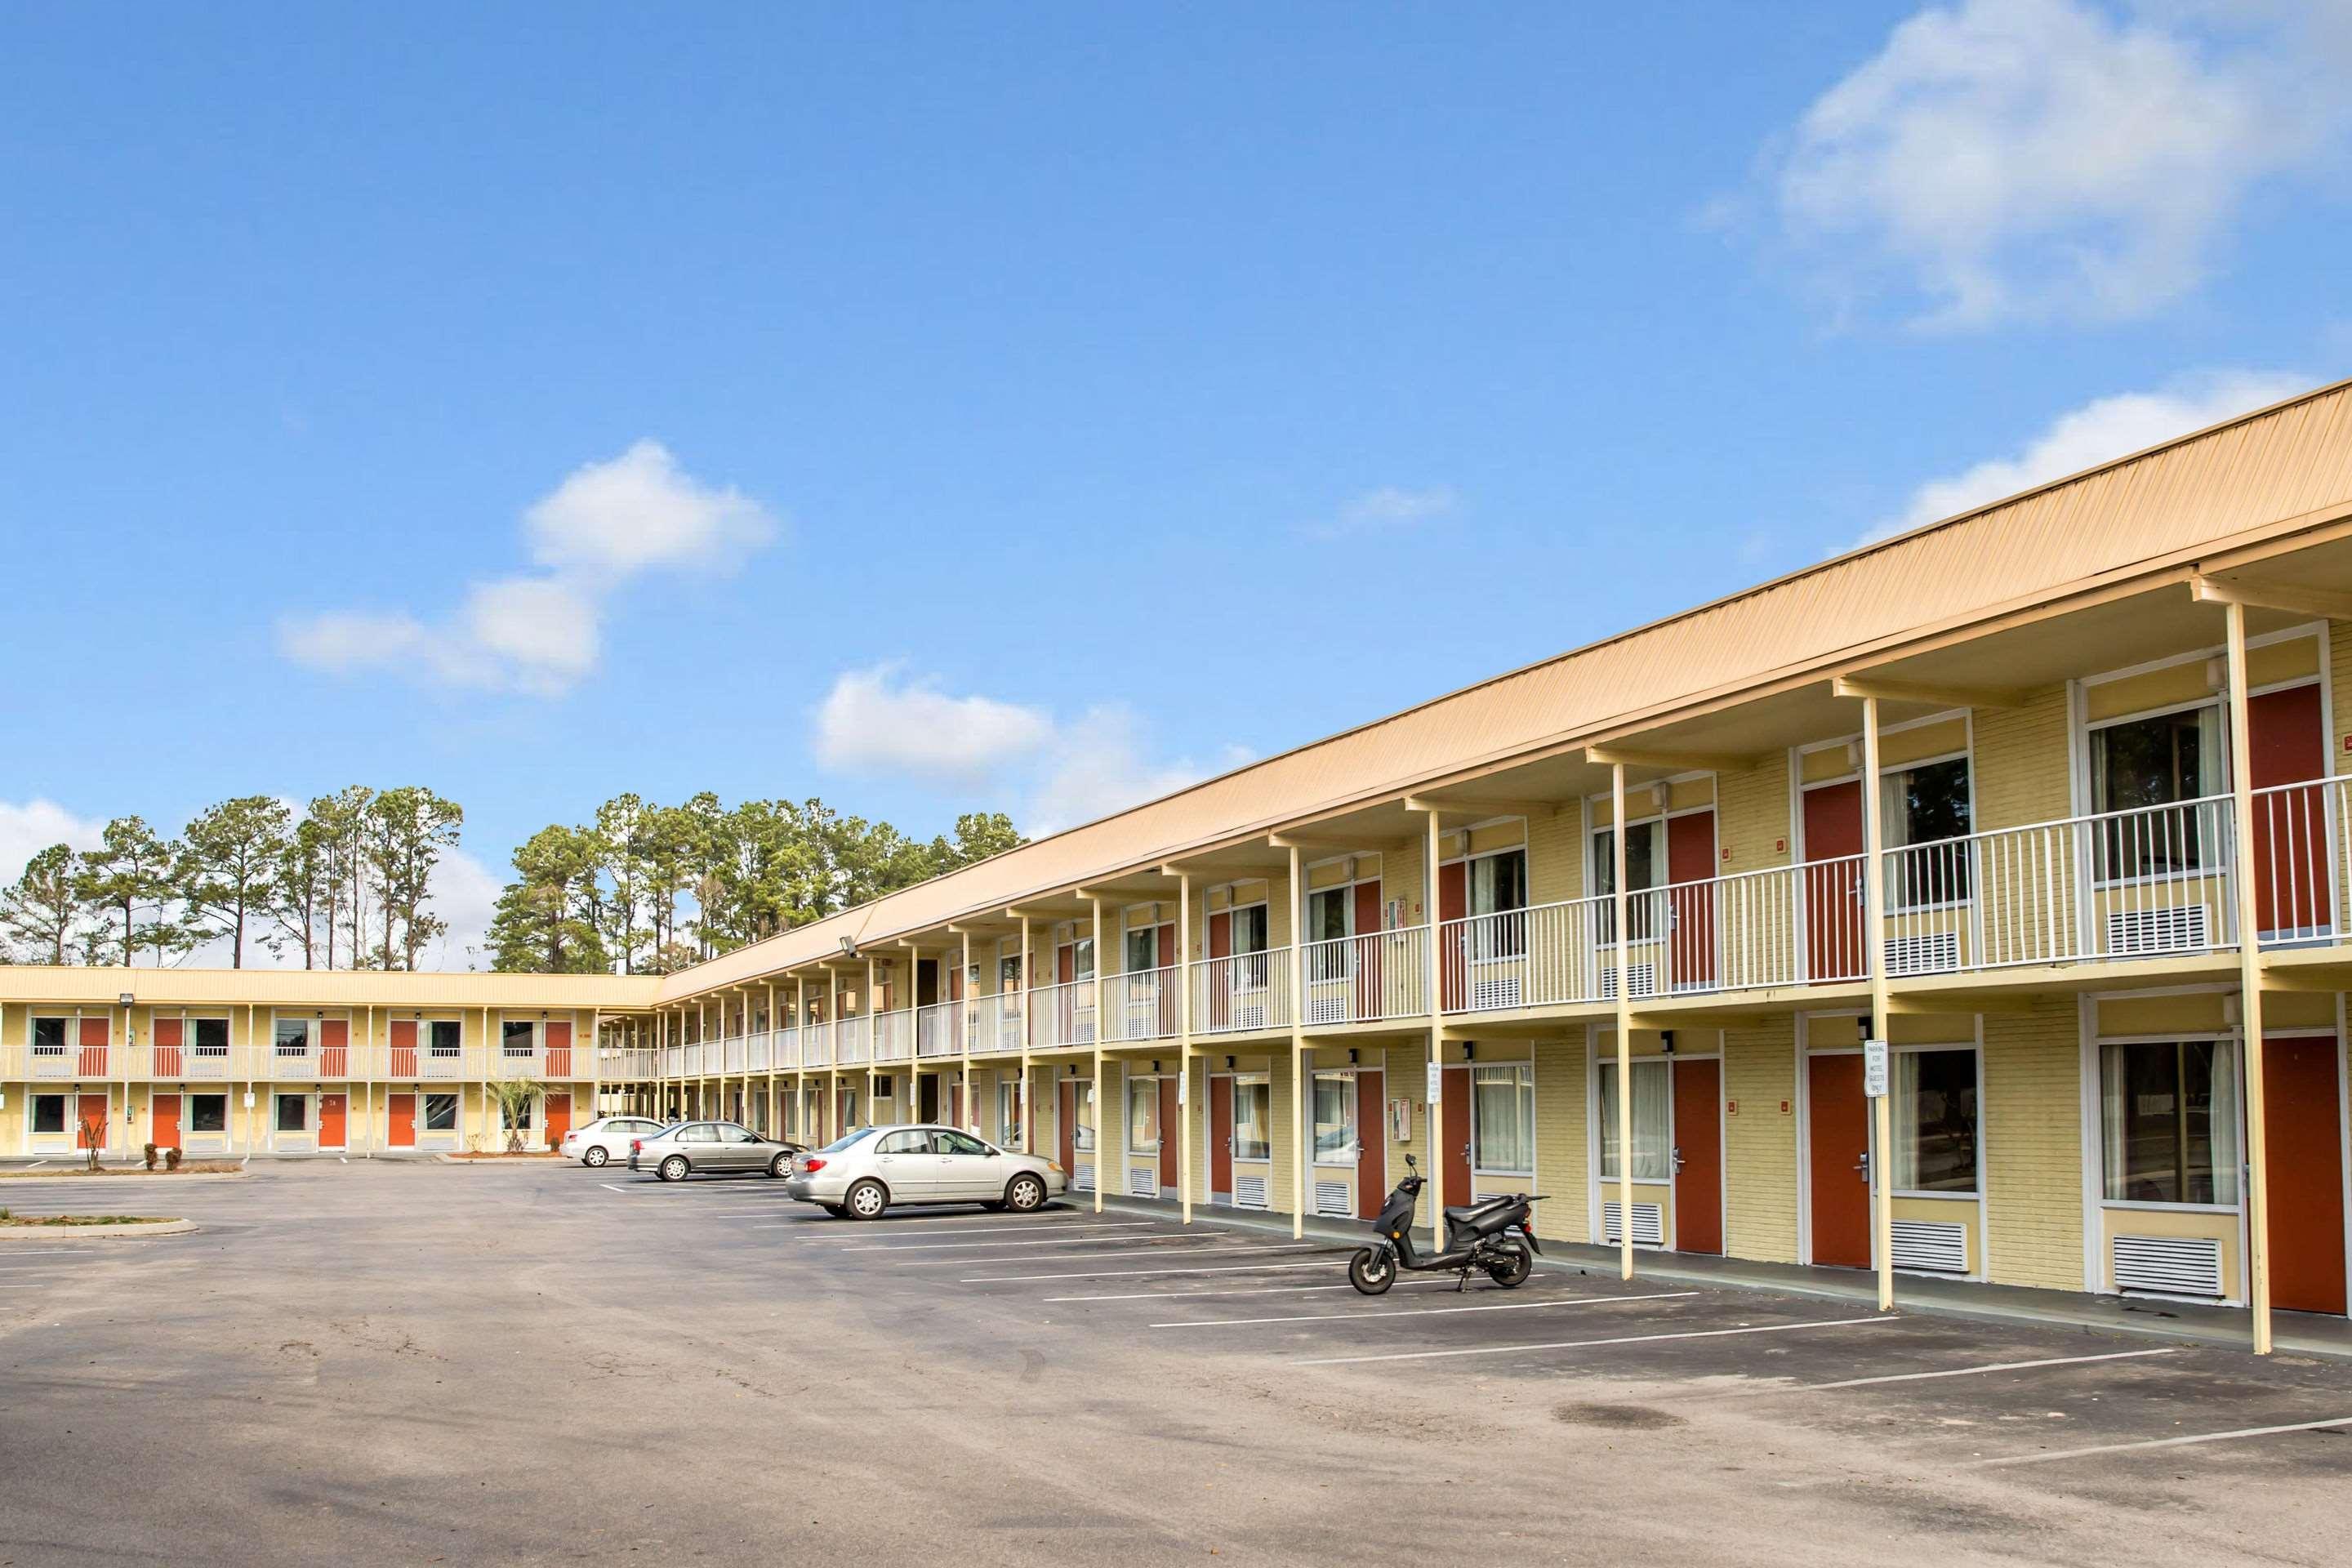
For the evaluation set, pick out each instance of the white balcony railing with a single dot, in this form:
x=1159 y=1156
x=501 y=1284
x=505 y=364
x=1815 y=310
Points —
x=816 y=1046
x=1143 y=1005
x=1364 y=979
x=1246 y=992
x=894 y=1036
x=940 y=1029
x=853 y=1041
x=1065 y=1015
x=788 y=1048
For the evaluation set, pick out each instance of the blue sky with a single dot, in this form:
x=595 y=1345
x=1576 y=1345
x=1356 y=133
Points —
x=542 y=402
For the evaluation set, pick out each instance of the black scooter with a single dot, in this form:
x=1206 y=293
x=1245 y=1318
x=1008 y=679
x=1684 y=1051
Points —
x=1497 y=1235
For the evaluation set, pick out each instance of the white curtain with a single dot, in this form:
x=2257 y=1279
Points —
x=2228 y=1149
x=1502 y=1102
x=1653 y=1154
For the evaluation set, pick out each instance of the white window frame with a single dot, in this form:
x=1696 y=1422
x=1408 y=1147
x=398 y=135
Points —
x=1312 y=1129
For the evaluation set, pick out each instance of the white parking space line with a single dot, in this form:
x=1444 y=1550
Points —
x=1254 y=1290
x=2181 y=1442
x=1424 y=1311
x=1581 y=1344
x=1004 y=1230
x=1147 y=1273
x=611 y=1188
x=1103 y=1257
x=1948 y=1372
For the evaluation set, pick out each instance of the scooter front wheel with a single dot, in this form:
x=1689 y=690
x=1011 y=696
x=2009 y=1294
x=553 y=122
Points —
x=1371 y=1271
x=1513 y=1267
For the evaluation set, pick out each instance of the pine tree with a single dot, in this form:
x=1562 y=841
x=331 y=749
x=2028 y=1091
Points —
x=223 y=875
x=130 y=876
x=42 y=908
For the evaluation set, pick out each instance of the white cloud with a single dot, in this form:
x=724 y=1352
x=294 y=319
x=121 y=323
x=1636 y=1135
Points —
x=1387 y=509
x=2098 y=432
x=540 y=633
x=32 y=826
x=637 y=512
x=2030 y=158
x=1061 y=772
x=877 y=721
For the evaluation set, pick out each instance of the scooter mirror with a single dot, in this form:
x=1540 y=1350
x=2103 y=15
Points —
x=1411 y=1163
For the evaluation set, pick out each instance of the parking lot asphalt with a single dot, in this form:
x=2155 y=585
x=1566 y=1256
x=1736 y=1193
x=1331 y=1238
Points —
x=416 y=1363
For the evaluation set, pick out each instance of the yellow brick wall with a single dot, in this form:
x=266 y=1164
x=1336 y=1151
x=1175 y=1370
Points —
x=1752 y=816
x=1563 y=1161
x=2032 y=1122
x=2339 y=677
x=1760 y=1144
x=1556 y=855
x=2022 y=761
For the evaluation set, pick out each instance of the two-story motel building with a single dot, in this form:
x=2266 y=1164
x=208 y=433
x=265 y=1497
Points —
x=2043 y=795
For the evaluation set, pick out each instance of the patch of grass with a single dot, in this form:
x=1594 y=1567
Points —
x=187 y=1168
x=71 y=1219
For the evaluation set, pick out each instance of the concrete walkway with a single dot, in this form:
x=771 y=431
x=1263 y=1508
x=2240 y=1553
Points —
x=2295 y=1333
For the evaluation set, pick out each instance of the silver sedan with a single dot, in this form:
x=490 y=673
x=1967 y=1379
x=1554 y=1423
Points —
x=861 y=1175
x=677 y=1152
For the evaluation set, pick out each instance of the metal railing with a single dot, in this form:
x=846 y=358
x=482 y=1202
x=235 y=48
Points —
x=1244 y=992
x=853 y=1041
x=1364 y=979
x=1143 y=1005
x=940 y=1029
x=894 y=1036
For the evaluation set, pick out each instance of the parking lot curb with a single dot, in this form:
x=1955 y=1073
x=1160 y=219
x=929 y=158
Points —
x=2106 y=1314
x=10 y=1183
x=504 y=1161
x=53 y=1233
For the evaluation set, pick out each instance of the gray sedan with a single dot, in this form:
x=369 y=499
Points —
x=860 y=1175
x=677 y=1152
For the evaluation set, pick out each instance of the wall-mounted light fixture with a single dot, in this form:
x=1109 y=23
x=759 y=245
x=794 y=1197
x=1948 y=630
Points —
x=849 y=947
x=1665 y=1042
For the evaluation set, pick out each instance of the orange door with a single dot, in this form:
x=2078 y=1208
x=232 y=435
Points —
x=1698 y=1156
x=1690 y=868
x=1839 y=1120
x=165 y=1128
x=2306 y=1157
x=90 y=1124
x=1220 y=1138
x=1371 y=1127
x=1171 y=1134
x=94 y=1047
x=955 y=1105
x=1833 y=949
x=168 y=1034
x=401 y=1111
x=334 y=1047
x=404 y=1051
x=1227 y=980
x=2287 y=744
x=1068 y=1126
x=1454 y=1154
x=558 y=1049
x=332 y=1118
x=559 y=1118
x=1454 y=904
x=1371 y=999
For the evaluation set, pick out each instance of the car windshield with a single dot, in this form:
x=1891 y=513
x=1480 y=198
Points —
x=848 y=1140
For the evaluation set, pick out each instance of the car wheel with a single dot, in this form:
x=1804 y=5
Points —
x=674 y=1168
x=866 y=1200
x=595 y=1157
x=781 y=1166
x=836 y=1210
x=1025 y=1193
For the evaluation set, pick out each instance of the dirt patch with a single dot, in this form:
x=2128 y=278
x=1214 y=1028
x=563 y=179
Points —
x=185 y=1168
x=33 y=1222
x=1616 y=1417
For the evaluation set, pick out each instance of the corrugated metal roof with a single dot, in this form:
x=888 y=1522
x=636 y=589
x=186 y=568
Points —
x=2282 y=463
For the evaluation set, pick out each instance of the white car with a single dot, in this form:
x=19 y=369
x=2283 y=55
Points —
x=606 y=1139
x=861 y=1175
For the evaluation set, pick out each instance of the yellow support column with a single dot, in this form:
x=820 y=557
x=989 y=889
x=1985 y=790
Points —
x=1028 y=1112
x=964 y=1034
x=1617 y=905
x=2249 y=987
x=1882 y=1107
x=873 y=1039
x=1298 y=1124
x=1434 y=1120
x=1102 y=1018
x=1183 y=1043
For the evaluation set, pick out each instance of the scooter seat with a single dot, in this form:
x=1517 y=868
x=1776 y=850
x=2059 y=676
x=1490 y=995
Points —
x=1473 y=1210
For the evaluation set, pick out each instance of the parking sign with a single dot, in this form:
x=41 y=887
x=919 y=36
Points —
x=1874 y=1068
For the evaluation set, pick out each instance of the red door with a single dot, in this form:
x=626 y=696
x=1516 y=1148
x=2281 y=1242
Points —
x=404 y=1052
x=1171 y=1134
x=165 y=1130
x=1455 y=1154
x=558 y=1049
x=90 y=1123
x=1833 y=949
x=1698 y=1156
x=559 y=1118
x=1066 y=1126
x=2306 y=1155
x=1840 y=1121
x=401 y=1112
x=168 y=1034
x=1690 y=867
x=1221 y=1137
x=1372 y=1129
x=1223 y=981
x=1164 y=993
x=334 y=1047
x=332 y=1108
x=1371 y=1002
x=94 y=1047
x=1452 y=904
x=2287 y=744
